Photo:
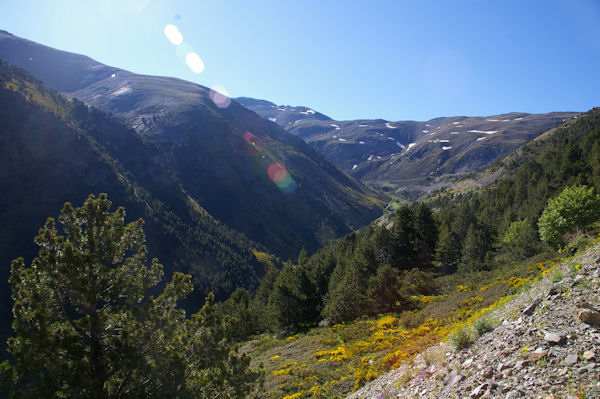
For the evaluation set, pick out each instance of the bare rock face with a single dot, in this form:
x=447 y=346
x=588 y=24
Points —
x=585 y=313
x=538 y=354
x=554 y=338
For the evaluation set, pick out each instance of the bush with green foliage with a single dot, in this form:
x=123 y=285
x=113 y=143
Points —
x=462 y=339
x=521 y=239
x=575 y=208
x=87 y=325
x=483 y=325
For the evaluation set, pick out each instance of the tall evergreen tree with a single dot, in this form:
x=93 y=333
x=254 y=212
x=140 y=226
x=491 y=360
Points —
x=426 y=230
x=447 y=250
x=403 y=238
x=346 y=299
x=87 y=326
x=288 y=301
x=476 y=247
x=383 y=290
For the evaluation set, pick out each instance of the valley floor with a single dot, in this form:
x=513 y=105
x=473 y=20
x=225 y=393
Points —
x=540 y=349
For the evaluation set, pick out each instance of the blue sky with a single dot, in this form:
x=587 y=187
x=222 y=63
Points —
x=349 y=59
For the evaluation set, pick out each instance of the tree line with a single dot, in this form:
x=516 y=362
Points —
x=380 y=269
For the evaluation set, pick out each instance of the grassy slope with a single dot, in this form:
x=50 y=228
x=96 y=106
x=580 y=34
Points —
x=334 y=361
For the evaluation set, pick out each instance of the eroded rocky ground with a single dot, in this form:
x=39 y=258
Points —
x=547 y=345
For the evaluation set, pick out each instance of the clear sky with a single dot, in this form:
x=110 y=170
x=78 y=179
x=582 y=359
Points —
x=349 y=59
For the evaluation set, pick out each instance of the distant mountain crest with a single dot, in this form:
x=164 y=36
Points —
x=411 y=155
x=284 y=115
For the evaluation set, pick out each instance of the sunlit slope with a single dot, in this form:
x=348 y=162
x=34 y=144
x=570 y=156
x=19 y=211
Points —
x=410 y=153
x=244 y=170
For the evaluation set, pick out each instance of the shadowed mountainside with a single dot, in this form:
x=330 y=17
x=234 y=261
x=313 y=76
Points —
x=244 y=170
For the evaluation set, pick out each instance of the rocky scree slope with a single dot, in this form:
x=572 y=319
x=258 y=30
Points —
x=412 y=156
x=547 y=345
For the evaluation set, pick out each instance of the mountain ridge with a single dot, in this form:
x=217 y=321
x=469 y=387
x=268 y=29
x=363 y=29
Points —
x=216 y=150
x=411 y=158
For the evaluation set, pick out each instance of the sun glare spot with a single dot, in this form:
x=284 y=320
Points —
x=280 y=176
x=173 y=34
x=277 y=172
x=219 y=96
x=194 y=61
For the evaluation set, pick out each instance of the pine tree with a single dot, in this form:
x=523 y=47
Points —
x=383 y=290
x=476 y=247
x=86 y=324
x=403 y=238
x=346 y=299
x=288 y=299
x=426 y=234
x=447 y=250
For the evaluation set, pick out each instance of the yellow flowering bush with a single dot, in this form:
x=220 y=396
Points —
x=294 y=395
x=386 y=322
x=516 y=282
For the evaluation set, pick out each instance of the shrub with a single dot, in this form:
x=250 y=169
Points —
x=483 y=326
x=461 y=339
x=411 y=319
x=573 y=209
x=521 y=239
x=578 y=243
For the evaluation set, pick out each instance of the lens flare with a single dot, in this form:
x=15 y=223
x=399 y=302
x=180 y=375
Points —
x=287 y=185
x=173 y=34
x=280 y=176
x=277 y=172
x=195 y=63
x=219 y=96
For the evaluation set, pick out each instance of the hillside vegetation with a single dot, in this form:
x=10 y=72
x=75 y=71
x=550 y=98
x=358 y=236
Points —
x=430 y=272
x=54 y=151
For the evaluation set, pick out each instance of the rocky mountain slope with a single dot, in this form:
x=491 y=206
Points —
x=53 y=151
x=244 y=170
x=547 y=345
x=410 y=155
